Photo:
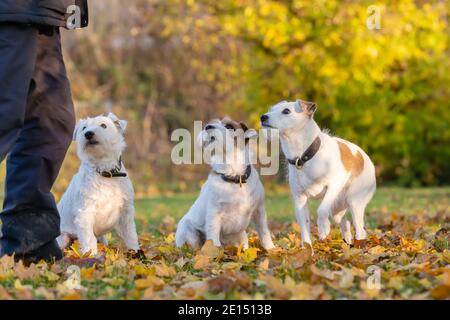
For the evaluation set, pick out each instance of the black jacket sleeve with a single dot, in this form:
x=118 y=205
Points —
x=42 y=12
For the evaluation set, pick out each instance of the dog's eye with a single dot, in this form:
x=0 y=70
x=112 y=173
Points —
x=286 y=111
x=103 y=126
x=84 y=128
x=229 y=126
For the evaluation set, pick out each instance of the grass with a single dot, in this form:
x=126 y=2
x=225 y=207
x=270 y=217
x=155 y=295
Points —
x=280 y=209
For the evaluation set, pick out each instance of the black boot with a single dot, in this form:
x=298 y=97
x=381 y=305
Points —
x=49 y=252
x=30 y=236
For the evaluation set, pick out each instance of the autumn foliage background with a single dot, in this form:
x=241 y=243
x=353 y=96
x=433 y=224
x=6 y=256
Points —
x=163 y=64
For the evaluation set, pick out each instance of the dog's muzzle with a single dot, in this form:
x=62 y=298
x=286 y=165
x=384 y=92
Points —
x=89 y=135
x=264 y=119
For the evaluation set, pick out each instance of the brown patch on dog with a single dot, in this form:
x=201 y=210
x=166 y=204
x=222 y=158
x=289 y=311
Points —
x=352 y=163
x=236 y=125
x=243 y=126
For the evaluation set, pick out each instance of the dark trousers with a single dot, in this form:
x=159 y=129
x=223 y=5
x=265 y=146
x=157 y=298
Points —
x=36 y=126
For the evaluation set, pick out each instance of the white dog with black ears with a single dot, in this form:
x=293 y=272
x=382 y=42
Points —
x=233 y=194
x=322 y=167
x=100 y=196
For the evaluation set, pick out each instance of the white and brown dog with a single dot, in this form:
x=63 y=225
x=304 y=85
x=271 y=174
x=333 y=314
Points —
x=100 y=196
x=231 y=197
x=322 y=167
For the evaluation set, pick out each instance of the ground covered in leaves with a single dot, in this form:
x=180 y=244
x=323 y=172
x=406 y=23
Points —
x=405 y=257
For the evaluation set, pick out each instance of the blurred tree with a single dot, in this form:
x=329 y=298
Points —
x=387 y=90
x=164 y=63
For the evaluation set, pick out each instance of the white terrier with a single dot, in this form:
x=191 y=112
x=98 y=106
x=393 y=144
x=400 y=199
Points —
x=322 y=167
x=232 y=196
x=100 y=196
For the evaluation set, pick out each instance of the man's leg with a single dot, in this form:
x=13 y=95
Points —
x=17 y=58
x=18 y=49
x=30 y=217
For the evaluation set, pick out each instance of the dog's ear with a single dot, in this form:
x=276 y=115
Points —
x=77 y=127
x=243 y=126
x=311 y=107
x=305 y=106
x=250 y=134
x=298 y=106
x=120 y=124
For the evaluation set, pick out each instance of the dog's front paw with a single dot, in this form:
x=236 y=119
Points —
x=268 y=245
x=324 y=230
x=308 y=247
x=215 y=243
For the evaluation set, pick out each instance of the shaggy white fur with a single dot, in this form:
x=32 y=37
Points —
x=340 y=173
x=224 y=209
x=94 y=204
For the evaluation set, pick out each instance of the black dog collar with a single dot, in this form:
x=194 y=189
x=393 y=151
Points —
x=309 y=153
x=239 y=178
x=113 y=173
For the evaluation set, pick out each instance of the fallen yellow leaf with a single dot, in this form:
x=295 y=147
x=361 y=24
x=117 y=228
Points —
x=264 y=265
x=249 y=255
x=150 y=281
x=201 y=261
x=377 y=250
x=210 y=250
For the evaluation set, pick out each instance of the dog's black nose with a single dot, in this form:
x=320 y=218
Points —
x=264 y=117
x=89 y=135
x=209 y=127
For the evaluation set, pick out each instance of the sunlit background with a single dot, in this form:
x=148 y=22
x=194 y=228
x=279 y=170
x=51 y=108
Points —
x=161 y=64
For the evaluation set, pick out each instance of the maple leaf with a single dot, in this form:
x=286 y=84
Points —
x=278 y=288
x=23 y=272
x=442 y=290
x=162 y=270
x=4 y=295
x=150 y=281
x=298 y=258
x=264 y=265
x=210 y=250
x=324 y=273
x=201 y=261
x=232 y=266
x=87 y=273
x=220 y=284
x=377 y=250
x=72 y=296
x=249 y=255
